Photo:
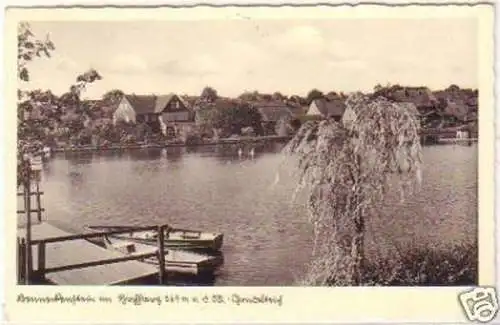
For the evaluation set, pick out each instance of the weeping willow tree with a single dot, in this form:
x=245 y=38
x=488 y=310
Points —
x=347 y=168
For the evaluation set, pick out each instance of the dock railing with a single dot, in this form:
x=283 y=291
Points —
x=38 y=194
x=41 y=244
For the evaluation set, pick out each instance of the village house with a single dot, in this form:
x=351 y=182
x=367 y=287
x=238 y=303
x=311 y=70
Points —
x=168 y=114
x=333 y=108
x=297 y=109
x=459 y=104
x=271 y=113
x=422 y=97
x=457 y=109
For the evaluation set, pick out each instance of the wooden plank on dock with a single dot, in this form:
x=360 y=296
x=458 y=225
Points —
x=59 y=254
x=30 y=193
x=31 y=210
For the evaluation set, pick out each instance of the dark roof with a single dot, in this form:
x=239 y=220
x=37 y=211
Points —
x=420 y=96
x=163 y=100
x=329 y=108
x=142 y=104
x=272 y=111
x=467 y=96
x=296 y=109
x=225 y=103
x=149 y=104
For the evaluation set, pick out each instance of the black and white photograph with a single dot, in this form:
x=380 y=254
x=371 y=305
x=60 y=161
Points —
x=249 y=150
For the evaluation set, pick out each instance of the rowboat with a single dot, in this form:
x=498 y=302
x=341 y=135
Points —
x=176 y=261
x=174 y=237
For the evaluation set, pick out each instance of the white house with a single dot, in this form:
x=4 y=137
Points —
x=333 y=108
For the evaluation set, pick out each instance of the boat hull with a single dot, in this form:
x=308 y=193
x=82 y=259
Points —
x=174 y=238
x=176 y=261
x=196 y=245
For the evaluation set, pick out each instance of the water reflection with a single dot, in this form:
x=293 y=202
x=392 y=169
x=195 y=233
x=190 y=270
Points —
x=192 y=149
x=80 y=158
x=174 y=154
x=76 y=178
x=145 y=154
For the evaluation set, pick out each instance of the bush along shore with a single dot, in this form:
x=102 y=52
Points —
x=425 y=266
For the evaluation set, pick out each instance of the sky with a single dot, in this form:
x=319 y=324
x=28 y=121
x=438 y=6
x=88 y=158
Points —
x=233 y=56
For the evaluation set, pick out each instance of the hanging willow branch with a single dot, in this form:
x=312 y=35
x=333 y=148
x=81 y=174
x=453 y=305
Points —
x=347 y=167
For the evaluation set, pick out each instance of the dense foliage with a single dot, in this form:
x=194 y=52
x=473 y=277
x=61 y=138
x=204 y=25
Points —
x=314 y=94
x=424 y=266
x=209 y=94
x=28 y=48
x=32 y=134
x=230 y=120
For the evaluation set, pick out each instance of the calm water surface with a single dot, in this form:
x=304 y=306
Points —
x=267 y=237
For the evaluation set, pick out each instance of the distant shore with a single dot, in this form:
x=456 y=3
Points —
x=444 y=139
x=239 y=140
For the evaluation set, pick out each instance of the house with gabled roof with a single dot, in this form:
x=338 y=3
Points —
x=333 y=108
x=457 y=109
x=167 y=114
x=272 y=112
x=297 y=109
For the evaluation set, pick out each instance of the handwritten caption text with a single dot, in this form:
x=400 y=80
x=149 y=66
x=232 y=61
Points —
x=141 y=299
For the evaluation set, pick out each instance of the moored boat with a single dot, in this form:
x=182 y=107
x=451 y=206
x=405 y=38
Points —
x=176 y=261
x=174 y=237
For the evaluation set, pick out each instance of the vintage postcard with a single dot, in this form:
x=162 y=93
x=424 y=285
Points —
x=316 y=163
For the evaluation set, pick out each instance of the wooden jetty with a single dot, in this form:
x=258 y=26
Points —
x=49 y=255
x=61 y=258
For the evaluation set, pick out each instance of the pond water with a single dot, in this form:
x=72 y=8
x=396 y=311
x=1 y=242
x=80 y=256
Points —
x=267 y=237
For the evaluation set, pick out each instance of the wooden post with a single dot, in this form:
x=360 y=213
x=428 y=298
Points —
x=41 y=260
x=161 y=255
x=20 y=263
x=27 y=209
x=38 y=201
x=22 y=260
